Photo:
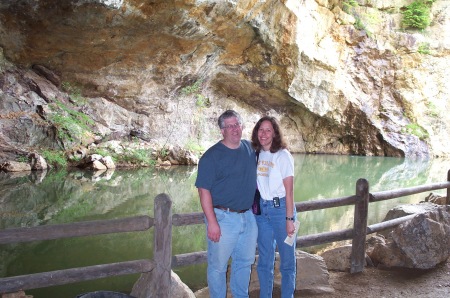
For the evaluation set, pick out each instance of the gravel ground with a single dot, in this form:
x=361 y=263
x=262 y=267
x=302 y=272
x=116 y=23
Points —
x=387 y=283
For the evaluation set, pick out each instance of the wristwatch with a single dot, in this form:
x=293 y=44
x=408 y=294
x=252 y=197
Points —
x=290 y=218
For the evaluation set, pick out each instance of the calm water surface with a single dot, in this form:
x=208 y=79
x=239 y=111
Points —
x=63 y=197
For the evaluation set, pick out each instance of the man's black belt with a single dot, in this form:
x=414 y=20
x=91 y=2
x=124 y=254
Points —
x=229 y=209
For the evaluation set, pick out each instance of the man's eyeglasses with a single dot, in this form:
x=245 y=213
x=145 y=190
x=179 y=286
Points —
x=232 y=126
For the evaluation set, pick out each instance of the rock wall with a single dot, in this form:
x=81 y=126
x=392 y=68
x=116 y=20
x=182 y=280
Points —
x=340 y=83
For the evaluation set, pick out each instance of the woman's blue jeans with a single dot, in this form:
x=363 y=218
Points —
x=271 y=233
x=238 y=241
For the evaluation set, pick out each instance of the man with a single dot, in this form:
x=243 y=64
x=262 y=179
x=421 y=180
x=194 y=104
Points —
x=226 y=183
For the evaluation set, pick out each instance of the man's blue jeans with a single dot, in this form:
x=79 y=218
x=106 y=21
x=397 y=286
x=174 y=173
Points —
x=272 y=232
x=238 y=241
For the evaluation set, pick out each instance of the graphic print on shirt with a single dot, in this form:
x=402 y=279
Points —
x=263 y=167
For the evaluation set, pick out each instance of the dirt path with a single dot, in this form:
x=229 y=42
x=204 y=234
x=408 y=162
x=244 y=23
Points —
x=377 y=283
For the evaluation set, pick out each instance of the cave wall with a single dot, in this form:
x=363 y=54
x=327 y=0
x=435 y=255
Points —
x=165 y=70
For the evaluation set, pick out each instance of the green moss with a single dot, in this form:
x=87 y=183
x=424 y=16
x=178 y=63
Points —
x=55 y=158
x=417 y=130
x=70 y=125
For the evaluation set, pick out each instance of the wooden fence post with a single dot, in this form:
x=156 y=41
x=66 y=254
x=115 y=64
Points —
x=162 y=245
x=448 y=189
x=360 y=227
x=157 y=283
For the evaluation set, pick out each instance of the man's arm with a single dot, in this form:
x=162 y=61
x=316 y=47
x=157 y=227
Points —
x=213 y=231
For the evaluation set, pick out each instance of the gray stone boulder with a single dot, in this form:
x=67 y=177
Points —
x=436 y=199
x=108 y=162
x=97 y=162
x=409 y=209
x=179 y=156
x=146 y=283
x=338 y=259
x=312 y=274
x=422 y=242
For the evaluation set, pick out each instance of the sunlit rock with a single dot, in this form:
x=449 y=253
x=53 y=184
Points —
x=15 y=166
x=37 y=162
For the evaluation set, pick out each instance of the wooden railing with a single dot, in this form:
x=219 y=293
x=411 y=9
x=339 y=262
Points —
x=163 y=222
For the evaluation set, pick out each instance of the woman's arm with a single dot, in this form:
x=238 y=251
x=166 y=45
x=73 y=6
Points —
x=288 y=183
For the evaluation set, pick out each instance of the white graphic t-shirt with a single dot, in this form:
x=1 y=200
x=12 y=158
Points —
x=272 y=169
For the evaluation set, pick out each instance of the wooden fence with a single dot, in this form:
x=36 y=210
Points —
x=163 y=221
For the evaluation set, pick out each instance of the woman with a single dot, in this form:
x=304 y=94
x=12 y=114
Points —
x=275 y=177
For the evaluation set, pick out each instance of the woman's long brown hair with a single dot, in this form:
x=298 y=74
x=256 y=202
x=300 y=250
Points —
x=278 y=142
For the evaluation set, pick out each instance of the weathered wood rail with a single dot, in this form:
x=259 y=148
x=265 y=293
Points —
x=163 y=222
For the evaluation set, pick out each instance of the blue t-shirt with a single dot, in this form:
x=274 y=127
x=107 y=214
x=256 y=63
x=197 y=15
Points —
x=229 y=174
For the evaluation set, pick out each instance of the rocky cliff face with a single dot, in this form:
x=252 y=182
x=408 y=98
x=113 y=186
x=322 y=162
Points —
x=340 y=82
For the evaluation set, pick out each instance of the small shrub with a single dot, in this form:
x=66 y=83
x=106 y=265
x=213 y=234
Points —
x=192 y=89
x=202 y=101
x=359 y=24
x=432 y=110
x=163 y=153
x=347 y=5
x=424 y=48
x=417 y=15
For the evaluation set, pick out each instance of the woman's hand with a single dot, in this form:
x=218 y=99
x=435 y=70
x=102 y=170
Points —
x=290 y=228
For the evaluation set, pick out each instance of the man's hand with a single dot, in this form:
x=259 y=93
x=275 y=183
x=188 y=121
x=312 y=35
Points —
x=214 y=231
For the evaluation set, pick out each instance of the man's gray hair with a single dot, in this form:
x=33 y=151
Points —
x=228 y=114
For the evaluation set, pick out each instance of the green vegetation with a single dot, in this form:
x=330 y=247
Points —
x=424 y=48
x=70 y=125
x=195 y=89
x=138 y=156
x=55 y=158
x=194 y=147
x=22 y=158
x=74 y=93
x=432 y=110
x=359 y=24
x=103 y=152
x=417 y=14
x=417 y=130
x=163 y=152
x=347 y=5
x=141 y=157
x=202 y=102
x=373 y=17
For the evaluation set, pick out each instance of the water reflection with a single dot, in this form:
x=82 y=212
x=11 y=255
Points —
x=39 y=198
